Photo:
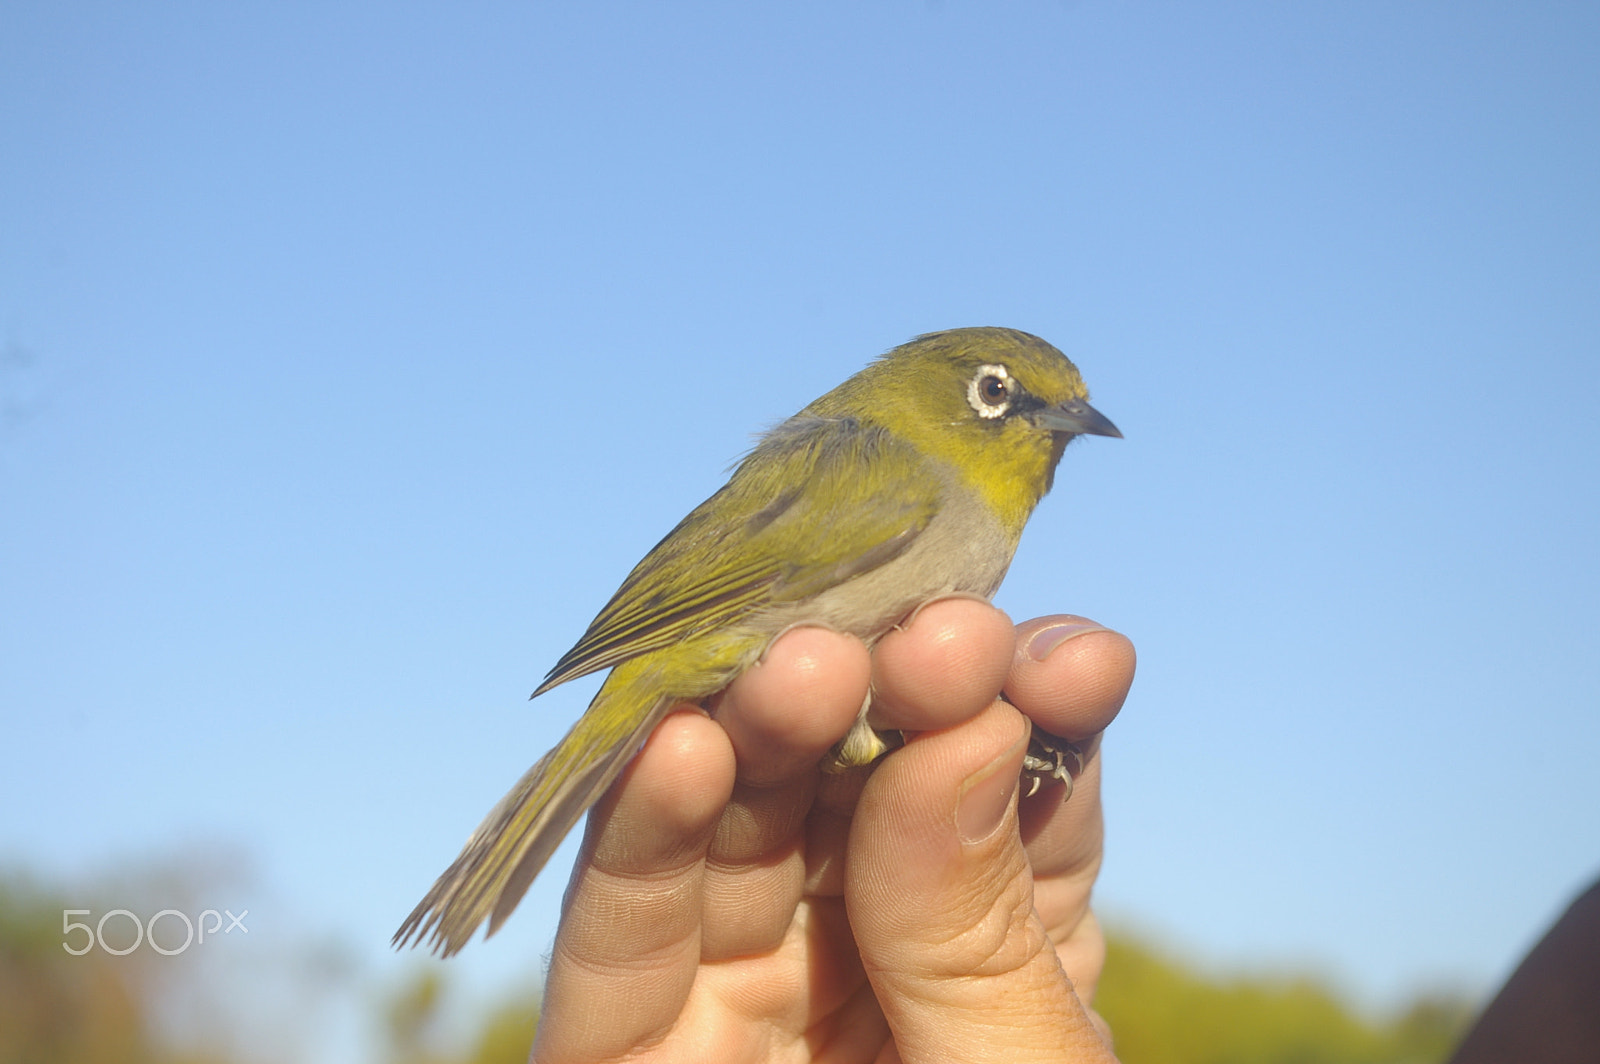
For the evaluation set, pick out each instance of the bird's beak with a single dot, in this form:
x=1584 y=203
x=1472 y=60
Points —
x=1077 y=417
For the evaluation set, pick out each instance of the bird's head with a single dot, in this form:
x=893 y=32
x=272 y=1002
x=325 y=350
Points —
x=999 y=405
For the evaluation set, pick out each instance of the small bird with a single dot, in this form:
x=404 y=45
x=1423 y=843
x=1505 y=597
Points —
x=909 y=482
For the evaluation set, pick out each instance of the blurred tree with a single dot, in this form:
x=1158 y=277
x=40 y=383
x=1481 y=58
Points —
x=410 y=1016
x=414 y=1012
x=508 y=1034
x=1161 y=1011
x=56 y=1008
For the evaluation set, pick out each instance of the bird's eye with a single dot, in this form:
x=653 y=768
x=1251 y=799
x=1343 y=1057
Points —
x=991 y=391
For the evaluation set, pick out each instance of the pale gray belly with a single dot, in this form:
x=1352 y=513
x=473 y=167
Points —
x=964 y=550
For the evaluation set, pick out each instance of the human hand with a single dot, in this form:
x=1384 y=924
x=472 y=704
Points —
x=732 y=903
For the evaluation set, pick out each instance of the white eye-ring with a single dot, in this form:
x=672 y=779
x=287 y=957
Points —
x=990 y=391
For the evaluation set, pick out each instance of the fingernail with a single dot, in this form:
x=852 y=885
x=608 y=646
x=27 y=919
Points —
x=1047 y=639
x=986 y=795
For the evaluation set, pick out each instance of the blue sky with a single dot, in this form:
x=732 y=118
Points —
x=351 y=355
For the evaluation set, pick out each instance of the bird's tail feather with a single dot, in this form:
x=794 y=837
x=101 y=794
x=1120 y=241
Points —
x=524 y=828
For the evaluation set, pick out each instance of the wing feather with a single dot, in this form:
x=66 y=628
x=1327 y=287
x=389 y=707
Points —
x=766 y=537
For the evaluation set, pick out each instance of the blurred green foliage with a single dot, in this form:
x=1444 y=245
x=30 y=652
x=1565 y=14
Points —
x=98 y=1008
x=415 y=1009
x=56 y=1008
x=1164 y=1012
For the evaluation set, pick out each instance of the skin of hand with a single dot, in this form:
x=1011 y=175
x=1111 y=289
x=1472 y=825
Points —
x=734 y=903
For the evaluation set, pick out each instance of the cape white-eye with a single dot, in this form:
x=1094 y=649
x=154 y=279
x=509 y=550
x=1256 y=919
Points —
x=910 y=481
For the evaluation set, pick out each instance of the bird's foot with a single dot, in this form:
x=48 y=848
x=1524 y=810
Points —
x=1049 y=758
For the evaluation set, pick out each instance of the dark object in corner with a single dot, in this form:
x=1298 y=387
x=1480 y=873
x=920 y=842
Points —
x=1549 y=1010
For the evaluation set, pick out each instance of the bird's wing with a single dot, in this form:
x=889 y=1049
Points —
x=764 y=538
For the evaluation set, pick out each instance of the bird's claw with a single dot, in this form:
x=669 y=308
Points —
x=1049 y=758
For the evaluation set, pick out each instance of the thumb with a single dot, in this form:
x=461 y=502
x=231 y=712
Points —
x=940 y=897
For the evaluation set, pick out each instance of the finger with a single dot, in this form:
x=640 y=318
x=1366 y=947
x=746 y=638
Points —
x=1071 y=677
x=781 y=717
x=628 y=947
x=940 y=899
x=1069 y=674
x=943 y=666
x=783 y=713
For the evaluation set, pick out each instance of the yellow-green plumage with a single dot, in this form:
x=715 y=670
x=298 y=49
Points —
x=910 y=481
